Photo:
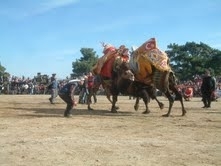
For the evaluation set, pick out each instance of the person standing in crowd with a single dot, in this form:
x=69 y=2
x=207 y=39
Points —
x=31 y=87
x=82 y=94
x=207 y=88
x=53 y=88
x=66 y=93
x=89 y=86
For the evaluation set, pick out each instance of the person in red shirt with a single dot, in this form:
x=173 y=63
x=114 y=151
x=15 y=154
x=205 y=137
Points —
x=90 y=81
x=90 y=89
x=188 y=93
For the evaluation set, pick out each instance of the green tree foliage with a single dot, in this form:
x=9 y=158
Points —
x=3 y=74
x=192 y=58
x=85 y=63
x=2 y=69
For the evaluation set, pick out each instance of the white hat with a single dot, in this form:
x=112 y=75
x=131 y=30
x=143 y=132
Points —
x=107 y=47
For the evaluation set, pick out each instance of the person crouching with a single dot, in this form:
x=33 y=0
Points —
x=66 y=93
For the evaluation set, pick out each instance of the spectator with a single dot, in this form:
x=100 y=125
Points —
x=207 y=88
x=31 y=87
x=82 y=94
x=188 y=93
x=53 y=88
x=90 y=87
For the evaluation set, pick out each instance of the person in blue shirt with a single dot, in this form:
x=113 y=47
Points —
x=66 y=93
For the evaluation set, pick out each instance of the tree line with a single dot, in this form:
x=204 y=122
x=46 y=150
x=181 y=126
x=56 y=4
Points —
x=192 y=59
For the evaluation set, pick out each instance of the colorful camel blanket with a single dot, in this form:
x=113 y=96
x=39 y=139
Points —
x=144 y=57
x=105 y=64
x=109 y=52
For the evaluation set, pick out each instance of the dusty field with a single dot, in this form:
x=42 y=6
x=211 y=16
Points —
x=34 y=132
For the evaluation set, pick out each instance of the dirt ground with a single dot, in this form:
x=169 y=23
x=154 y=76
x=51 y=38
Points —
x=34 y=132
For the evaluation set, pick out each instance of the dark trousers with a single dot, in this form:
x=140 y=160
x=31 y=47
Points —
x=67 y=99
x=91 y=92
x=206 y=99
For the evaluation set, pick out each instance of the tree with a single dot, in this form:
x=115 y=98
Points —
x=85 y=63
x=192 y=58
x=2 y=69
x=3 y=74
x=215 y=62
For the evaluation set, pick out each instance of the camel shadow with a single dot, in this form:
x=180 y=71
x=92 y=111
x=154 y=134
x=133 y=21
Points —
x=57 y=112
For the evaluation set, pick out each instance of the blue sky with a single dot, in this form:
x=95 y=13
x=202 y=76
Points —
x=46 y=35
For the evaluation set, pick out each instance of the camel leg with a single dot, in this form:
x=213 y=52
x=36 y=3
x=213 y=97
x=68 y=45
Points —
x=146 y=100
x=108 y=95
x=161 y=105
x=136 y=106
x=180 y=98
x=171 y=101
x=113 y=109
x=172 y=87
x=109 y=98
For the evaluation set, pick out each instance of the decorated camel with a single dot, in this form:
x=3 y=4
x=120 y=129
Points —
x=150 y=66
x=116 y=77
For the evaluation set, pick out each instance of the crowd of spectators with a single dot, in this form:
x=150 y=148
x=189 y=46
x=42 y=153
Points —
x=23 y=85
x=195 y=84
x=38 y=85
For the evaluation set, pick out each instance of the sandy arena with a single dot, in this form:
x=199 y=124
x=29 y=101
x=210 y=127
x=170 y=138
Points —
x=34 y=132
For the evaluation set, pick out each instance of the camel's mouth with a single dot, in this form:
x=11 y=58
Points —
x=128 y=75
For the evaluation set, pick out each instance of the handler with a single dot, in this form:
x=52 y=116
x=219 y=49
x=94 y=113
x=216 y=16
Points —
x=207 y=88
x=66 y=93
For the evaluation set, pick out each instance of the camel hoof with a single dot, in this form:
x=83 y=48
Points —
x=161 y=106
x=184 y=113
x=146 y=112
x=136 y=107
x=113 y=111
x=165 y=115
